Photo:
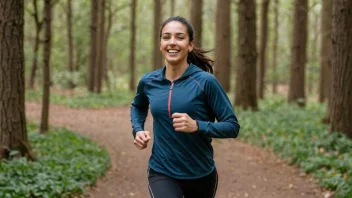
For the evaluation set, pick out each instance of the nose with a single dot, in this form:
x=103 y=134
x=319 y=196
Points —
x=172 y=41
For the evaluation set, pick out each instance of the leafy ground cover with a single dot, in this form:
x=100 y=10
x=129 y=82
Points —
x=298 y=136
x=80 y=98
x=67 y=162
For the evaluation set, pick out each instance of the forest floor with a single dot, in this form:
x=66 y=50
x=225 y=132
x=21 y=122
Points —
x=244 y=170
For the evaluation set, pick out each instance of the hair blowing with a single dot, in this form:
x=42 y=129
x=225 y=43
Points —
x=197 y=55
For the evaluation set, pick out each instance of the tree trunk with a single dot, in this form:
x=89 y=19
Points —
x=46 y=67
x=341 y=90
x=313 y=55
x=99 y=66
x=70 y=43
x=298 y=53
x=276 y=38
x=133 y=44
x=245 y=92
x=13 y=130
x=262 y=47
x=93 y=45
x=172 y=2
x=325 y=51
x=157 y=58
x=196 y=20
x=223 y=43
x=38 y=28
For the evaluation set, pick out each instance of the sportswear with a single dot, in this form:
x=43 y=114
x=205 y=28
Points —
x=178 y=154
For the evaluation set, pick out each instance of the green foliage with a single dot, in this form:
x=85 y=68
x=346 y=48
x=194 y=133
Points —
x=67 y=163
x=297 y=135
x=80 y=98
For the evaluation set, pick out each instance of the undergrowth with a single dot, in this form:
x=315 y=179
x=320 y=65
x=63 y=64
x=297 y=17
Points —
x=67 y=162
x=298 y=136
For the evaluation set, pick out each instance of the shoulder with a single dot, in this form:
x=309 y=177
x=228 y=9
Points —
x=204 y=77
x=150 y=76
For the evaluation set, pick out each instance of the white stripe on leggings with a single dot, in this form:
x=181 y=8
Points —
x=150 y=189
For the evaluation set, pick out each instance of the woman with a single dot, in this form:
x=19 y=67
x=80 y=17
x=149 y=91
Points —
x=184 y=99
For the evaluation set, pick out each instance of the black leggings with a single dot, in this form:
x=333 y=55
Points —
x=163 y=186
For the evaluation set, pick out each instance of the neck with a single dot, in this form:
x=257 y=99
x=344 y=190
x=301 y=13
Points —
x=173 y=72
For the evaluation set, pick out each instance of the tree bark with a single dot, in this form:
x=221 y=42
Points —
x=341 y=90
x=262 y=48
x=133 y=44
x=223 y=43
x=296 y=92
x=44 y=125
x=70 y=43
x=245 y=92
x=38 y=28
x=172 y=6
x=325 y=51
x=276 y=38
x=157 y=57
x=99 y=66
x=93 y=43
x=13 y=131
x=197 y=21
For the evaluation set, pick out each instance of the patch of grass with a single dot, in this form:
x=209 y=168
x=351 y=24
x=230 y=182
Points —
x=298 y=136
x=67 y=162
x=80 y=98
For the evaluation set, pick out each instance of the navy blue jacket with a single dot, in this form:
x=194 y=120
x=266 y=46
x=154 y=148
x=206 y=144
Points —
x=178 y=154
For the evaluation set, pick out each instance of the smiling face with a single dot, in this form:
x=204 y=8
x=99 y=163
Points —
x=175 y=43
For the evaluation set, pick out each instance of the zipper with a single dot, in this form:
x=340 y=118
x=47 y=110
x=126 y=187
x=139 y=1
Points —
x=169 y=100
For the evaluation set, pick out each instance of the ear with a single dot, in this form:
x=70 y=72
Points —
x=160 y=46
x=191 y=46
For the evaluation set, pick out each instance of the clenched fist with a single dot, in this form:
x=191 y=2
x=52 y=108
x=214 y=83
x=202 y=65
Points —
x=182 y=122
x=141 y=140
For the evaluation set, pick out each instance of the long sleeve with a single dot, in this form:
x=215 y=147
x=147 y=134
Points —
x=139 y=109
x=227 y=125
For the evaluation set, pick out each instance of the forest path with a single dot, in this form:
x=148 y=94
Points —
x=244 y=170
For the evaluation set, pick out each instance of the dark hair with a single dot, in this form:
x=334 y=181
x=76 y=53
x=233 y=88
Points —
x=196 y=56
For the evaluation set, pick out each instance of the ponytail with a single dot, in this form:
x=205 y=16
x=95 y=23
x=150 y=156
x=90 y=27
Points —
x=197 y=57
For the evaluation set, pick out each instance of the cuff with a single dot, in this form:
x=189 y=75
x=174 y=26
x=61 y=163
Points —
x=202 y=126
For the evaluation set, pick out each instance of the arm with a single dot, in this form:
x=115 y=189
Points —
x=227 y=125
x=139 y=109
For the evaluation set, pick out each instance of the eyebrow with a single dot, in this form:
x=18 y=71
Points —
x=176 y=33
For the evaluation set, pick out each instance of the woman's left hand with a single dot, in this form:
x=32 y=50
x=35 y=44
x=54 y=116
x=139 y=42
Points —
x=182 y=122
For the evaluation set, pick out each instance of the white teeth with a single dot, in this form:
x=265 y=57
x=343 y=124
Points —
x=172 y=51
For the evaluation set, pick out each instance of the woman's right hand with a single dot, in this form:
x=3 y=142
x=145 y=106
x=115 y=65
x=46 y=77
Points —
x=141 y=140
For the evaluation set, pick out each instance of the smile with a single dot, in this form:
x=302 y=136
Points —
x=172 y=51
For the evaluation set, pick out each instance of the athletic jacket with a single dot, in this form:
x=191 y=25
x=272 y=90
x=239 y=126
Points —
x=178 y=154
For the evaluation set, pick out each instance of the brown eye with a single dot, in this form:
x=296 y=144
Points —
x=166 y=37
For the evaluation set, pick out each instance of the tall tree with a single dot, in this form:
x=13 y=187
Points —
x=341 y=90
x=70 y=42
x=157 y=58
x=245 y=92
x=133 y=44
x=313 y=55
x=325 y=51
x=38 y=28
x=93 y=42
x=13 y=131
x=46 y=67
x=100 y=48
x=298 y=53
x=172 y=6
x=276 y=38
x=223 y=43
x=196 y=20
x=262 y=47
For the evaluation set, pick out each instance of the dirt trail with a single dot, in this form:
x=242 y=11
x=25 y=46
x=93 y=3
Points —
x=244 y=170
